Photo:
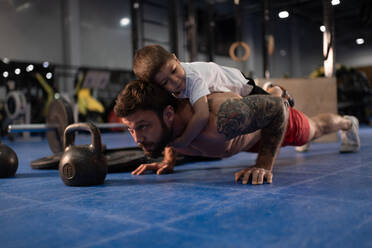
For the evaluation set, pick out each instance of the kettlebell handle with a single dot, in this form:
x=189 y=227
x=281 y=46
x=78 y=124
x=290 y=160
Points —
x=86 y=126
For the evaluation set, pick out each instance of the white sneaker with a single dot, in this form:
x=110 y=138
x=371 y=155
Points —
x=303 y=148
x=350 y=141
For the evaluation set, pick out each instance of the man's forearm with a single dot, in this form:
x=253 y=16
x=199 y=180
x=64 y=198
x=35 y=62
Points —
x=271 y=139
x=170 y=156
x=268 y=113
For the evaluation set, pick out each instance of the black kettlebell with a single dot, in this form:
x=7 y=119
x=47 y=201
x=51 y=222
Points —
x=8 y=161
x=85 y=164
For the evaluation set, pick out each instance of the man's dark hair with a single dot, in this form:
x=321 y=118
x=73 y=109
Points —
x=149 y=60
x=138 y=95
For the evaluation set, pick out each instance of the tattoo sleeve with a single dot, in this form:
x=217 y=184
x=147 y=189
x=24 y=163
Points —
x=268 y=113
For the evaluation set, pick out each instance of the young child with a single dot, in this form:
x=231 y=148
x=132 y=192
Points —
x=190 y=80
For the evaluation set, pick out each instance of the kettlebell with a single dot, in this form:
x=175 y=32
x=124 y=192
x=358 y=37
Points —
x=8 y=161
x=82 y=165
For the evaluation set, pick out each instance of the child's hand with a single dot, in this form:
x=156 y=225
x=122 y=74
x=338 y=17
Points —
x=179 y=143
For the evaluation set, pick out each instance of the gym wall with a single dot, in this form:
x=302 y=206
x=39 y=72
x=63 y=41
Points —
x=36 y=31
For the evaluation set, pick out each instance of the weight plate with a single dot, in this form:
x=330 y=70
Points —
x=124 y=159
x=118 y=160
x=49 y=162
x=60 y=115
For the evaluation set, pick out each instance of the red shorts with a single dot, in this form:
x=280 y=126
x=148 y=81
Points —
x=298 y=130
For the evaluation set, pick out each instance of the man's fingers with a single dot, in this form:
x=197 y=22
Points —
x=260 y=178
x=255 y=176
x=137 y=170
x=160 y=168
x=269 y=177
x=246 y=176
x=163 y=169
x=258 y=175
x=238 y=175
x=142 y=168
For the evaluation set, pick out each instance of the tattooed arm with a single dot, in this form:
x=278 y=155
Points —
x=241 y=116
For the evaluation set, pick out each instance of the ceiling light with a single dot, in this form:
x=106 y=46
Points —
x=5 y=74
x=322 y=28
x=359 y=41
x=335 y=2
x=283 y=14
x=124 y=21
x=6 y=60
x=49 y=75
x=30 y=68
x=46 y=64
x=17 y=71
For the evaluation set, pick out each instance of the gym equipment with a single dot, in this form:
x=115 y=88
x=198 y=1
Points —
x=8 y=161
x=118 y=160
x=234 y=46
x=270 y=44
x=60 y=115
x=83 y=165
x=48 y=89
x=48 y=162
x=88 y=103
x=15 y=104
x=239 y=41
x=124 y=159
x=17 y=110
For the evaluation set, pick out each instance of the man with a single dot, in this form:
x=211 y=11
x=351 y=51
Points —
x=260 y=123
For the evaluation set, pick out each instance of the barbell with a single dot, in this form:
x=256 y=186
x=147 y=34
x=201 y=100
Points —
x=59 y=116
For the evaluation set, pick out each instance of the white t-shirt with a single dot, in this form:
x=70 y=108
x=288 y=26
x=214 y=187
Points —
x=203 y=78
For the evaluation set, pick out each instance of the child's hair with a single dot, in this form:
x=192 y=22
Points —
x=148 y=61
x=138 y=95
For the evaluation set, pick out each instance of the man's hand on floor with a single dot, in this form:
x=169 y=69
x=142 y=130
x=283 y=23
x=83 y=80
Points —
x=258 y=175
x=159 y=167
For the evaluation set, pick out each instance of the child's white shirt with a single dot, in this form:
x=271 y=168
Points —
x=203 y=78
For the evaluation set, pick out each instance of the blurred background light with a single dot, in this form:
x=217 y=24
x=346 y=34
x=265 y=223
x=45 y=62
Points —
x=124 y=21
x=283 y=14
x=335 y=2
x=30 y=68
x=359 y=41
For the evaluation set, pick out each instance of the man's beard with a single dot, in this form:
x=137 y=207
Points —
x=165 y=138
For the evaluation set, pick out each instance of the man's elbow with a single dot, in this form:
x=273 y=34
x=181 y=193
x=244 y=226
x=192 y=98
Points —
x=284 y=110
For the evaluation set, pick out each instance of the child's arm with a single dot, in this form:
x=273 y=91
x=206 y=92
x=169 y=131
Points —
x=195 y=125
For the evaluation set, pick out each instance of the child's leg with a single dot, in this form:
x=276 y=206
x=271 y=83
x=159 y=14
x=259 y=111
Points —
x=277 y=90
x=269 y=88
x=257 y=90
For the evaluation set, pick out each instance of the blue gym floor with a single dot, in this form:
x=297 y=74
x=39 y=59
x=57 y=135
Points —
x=318 y=199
